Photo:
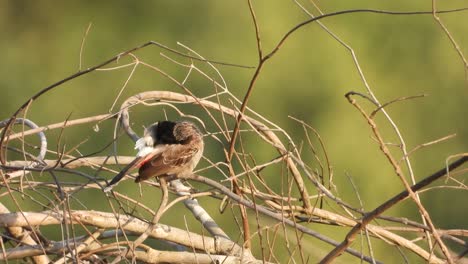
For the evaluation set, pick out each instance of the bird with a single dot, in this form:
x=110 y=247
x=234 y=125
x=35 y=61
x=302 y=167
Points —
x=167 y=148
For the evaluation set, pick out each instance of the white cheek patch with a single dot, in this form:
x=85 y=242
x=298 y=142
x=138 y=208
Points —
x=144 y=146
x=151 y=152
x=145 y=151
x=140 y=143
x=146 y=141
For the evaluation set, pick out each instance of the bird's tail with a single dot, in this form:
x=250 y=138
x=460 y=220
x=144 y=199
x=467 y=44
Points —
x=122 y=173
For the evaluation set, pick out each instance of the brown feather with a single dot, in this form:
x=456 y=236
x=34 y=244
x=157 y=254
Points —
x=173 y=160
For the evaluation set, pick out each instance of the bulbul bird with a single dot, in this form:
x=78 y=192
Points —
x=166 y=149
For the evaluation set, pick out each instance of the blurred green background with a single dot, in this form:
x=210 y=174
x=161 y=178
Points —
x=307 y=79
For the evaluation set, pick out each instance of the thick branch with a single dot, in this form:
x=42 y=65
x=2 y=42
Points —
x=25 y=237
x=127 y=223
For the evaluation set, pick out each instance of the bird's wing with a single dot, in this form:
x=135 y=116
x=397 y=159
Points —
x=137 y=162
x=170 y=161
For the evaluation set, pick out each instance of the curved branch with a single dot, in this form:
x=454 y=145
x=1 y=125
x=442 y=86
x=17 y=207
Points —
x=32 y=125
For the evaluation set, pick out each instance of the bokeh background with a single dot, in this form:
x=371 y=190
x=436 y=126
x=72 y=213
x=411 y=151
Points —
x=307 y=79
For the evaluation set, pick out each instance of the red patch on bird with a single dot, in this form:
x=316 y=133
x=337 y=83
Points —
x=146 y=159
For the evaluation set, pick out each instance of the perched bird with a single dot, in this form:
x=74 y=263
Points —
x=166 y=149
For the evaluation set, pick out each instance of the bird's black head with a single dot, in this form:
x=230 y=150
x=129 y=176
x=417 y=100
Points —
x=163 y=132
x=168 y=132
